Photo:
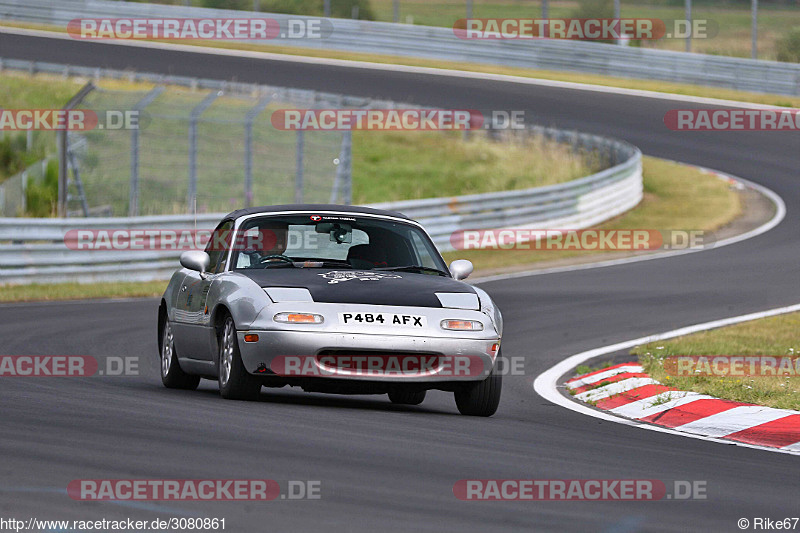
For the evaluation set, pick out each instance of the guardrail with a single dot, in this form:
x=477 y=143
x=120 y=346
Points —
x=441 y=43
x=36 y=249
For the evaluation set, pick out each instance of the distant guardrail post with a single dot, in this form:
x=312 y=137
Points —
x=688 y=16
x=342 y=184
x=298 y=176
x=191 y=196
x=23 y=199
x=754 y=29
x=133 y=194
x=73 y=164
x=347 y=167
x=61 y=144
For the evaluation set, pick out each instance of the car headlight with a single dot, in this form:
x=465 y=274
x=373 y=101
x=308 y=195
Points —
x=299 y=318
x=462 y=325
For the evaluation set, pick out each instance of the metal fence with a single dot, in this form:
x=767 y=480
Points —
x=203 y=151
x=202 y=145
x=35 y=249
x=441 y=43
x=206 y=151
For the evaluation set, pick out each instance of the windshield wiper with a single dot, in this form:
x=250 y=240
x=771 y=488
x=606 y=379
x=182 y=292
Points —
x=415 y=268
x=331 y=263
x=321 y=263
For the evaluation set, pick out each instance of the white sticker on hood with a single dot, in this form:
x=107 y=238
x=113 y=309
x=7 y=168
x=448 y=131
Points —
x=337 y=276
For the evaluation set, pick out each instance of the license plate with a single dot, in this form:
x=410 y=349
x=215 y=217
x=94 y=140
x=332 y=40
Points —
x=383 y=319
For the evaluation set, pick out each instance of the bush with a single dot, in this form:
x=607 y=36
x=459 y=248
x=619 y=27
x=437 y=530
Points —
x=14 y=155
x=11 y=149
x=789 y=46
x=42 y=198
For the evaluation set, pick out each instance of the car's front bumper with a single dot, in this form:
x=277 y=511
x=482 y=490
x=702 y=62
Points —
x=450 y=355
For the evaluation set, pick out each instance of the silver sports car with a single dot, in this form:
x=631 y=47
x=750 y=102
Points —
x=347 y=300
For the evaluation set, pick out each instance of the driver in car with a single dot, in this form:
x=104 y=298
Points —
x=266 y=244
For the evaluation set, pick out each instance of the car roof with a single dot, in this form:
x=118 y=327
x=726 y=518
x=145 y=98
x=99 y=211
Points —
x=311 y=208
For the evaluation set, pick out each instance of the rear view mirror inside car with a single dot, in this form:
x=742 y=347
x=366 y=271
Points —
x=340 y=233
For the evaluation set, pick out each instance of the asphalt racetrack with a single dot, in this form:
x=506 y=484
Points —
x=392 y=468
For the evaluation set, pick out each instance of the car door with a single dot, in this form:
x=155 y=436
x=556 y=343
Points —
x=193 y=328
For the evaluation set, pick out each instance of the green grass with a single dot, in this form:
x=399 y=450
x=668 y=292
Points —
x=412 y=165
x=17 y=93
x=80 y=291
x=774 y=336
x=581 y=370
x=661 y=399
x=677 y=197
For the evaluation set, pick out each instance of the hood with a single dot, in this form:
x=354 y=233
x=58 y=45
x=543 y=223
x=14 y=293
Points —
x=361 y=286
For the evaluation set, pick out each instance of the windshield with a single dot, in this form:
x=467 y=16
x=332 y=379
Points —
x=319 y=241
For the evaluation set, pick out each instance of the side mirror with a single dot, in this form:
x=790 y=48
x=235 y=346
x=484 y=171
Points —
x=461 y=268
x=196 y=260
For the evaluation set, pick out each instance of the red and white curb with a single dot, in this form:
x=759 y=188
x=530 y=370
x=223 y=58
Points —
x=625 y=390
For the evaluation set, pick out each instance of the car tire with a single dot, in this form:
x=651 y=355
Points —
x=482 y=398
x=235 y=383
x=407 y=397
x=172 y=375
